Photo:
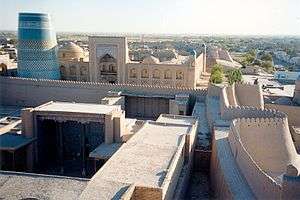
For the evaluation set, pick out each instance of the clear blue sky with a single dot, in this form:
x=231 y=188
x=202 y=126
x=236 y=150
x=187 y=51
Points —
x=275 y=17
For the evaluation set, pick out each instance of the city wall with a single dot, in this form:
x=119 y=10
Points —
x=234 y=103
x=241 y=95
x=33 y=92
x=249 y=95
x=232 y=112
x=218 y=181
x=253 y=135
x=252 y=142
x=292 y=112
x=297 y=92
x=254 y=175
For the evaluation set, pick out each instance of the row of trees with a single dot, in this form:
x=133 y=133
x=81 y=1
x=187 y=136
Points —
x=265 y=61
x=217 y=75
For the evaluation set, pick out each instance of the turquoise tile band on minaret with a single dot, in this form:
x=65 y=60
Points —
x=37 y=47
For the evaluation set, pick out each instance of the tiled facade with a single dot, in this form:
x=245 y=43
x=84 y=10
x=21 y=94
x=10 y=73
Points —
x=37 y=48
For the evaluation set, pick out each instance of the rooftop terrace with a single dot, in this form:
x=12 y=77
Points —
x=144 y=160
x=15 y=186
x=77 y=108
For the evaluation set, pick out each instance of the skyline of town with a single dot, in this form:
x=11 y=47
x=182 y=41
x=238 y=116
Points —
x=209 y=18
x=129 y=116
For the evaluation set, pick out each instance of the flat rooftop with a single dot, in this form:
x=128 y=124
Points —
x=176 y=119
x=12 y=142
x=268 y=80
x=12 y=111
x=144 y=160
x=15 y=186
x=232 y=175
x=77 y=108
x=105 y=151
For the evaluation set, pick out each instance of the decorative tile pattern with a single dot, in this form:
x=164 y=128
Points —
x=37 y=48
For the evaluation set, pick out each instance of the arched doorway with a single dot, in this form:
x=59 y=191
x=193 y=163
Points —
x=3 y=69
x=107 y=69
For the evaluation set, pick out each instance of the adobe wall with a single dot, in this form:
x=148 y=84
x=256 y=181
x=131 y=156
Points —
x=260 y=142
x=33 y=92
x=214 y=90
x=252 y=142
x=259 y=136
x=231 y=95
x=189 y=74
x=249 y=95
x=291 y=185
x=293 y=112
x=234 y=103
x=217 y=178
x=173 y=174
x=199 y=67
x=146 y=193
x=254 y=175
x=297 y=92
x=232 y=112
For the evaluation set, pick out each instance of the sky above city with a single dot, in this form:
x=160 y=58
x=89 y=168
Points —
x=246 y=17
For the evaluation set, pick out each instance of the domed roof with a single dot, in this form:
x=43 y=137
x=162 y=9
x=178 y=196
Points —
x=71 y=47
x=70 y=51
x=150 y=60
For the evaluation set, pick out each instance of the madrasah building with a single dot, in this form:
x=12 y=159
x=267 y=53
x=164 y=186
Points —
x=108 y=62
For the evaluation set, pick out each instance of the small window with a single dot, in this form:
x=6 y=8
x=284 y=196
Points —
x=145 y=73
x=179 y=75
x=181 y=112
x=133 y=73
x=156 y=74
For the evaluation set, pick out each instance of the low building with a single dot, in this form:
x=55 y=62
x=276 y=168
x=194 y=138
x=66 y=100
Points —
x=65 y=134
x=286 y=76
x=155 y=164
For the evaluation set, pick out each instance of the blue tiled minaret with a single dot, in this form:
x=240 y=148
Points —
x=37 y=47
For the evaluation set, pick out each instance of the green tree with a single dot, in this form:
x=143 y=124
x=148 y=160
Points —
x=234 y=76
x=267 y=57
x=217 y=67
x=217 y=74
x=268 y=66
x=248 y=58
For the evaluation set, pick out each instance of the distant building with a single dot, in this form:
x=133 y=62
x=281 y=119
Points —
x=286 y=76
x=109 y=63
x=221 y=57
x=73 y=63
x=252 y=69
x=37 y=47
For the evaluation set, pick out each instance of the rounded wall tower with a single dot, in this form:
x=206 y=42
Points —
x=37 y=47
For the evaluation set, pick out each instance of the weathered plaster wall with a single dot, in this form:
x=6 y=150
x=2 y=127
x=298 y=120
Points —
x=231 y=112
x=260 y=142
x=297 y=92
x=252 y=142
x=173 y=173
x=293 y=112
x=33 y=92
x=218 y=182
x=291 y=185
x=243 y=95
x=249 y=95
x=234 y=103
x=214 y=90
